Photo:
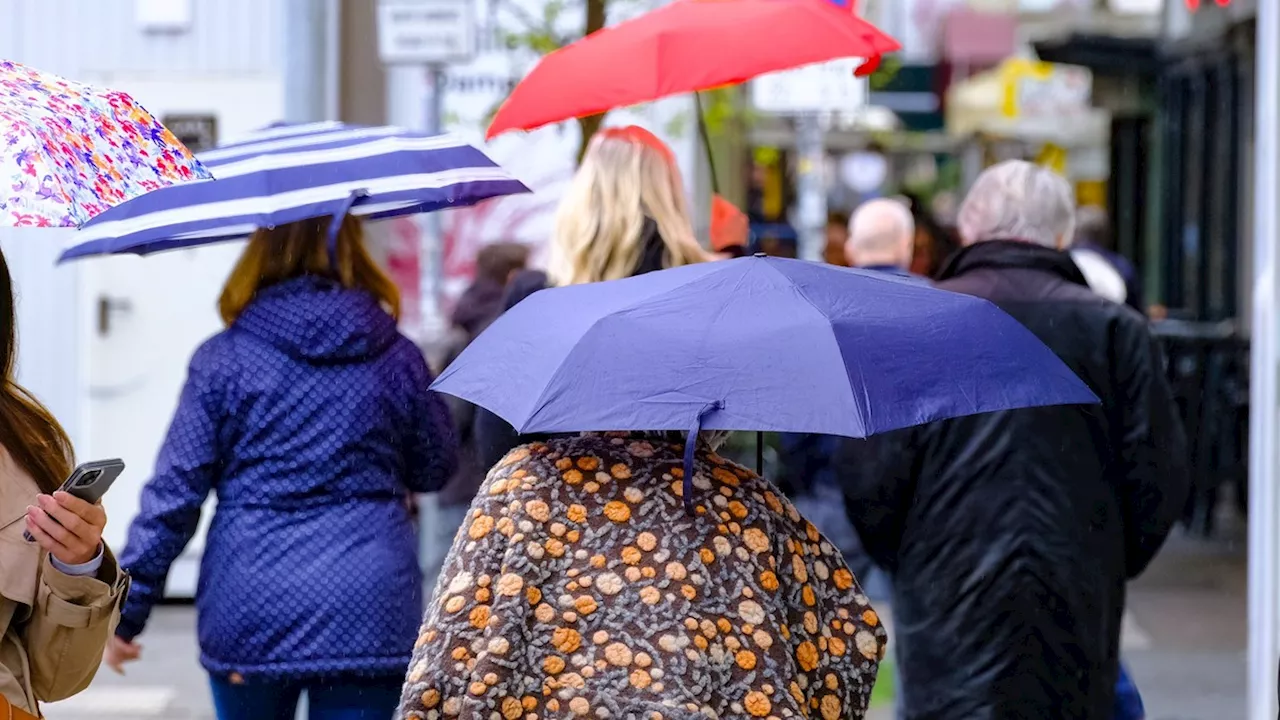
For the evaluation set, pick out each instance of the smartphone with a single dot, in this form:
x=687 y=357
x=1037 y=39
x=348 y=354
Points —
x=89 y=482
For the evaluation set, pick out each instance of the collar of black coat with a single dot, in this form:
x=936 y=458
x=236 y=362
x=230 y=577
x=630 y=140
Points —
x=1012 y=254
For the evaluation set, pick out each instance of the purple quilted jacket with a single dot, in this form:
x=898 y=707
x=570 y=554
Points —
x=310 y=420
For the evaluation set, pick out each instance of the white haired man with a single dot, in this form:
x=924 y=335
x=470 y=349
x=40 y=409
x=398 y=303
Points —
x=881 y=237
x=1009 y=536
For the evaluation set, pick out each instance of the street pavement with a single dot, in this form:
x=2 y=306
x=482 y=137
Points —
x=1184 y=641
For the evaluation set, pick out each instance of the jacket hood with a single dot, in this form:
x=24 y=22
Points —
x=1012 y=254
x=479 y=305
x=316 y=319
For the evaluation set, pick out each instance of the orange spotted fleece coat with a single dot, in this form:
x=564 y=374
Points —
x=580 y=587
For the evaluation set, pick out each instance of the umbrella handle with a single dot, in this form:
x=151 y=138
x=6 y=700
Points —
x=335 y=226
x=706 y=143
x=690 y=445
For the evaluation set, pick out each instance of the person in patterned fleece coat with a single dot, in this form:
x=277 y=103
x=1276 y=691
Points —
x=581 y=587
x=310 y=419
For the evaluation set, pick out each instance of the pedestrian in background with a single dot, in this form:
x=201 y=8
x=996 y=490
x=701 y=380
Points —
x=1009 y=536
x=60 y=592
x=624 y=214
x=310 y=418
x=933 y=242
x=496 y=265
x=837 y=236
x=1093 y=234
x=882 y=238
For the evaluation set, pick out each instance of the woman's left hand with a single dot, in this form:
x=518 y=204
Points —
x=69 y=528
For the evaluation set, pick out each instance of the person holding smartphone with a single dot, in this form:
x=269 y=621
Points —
x=311 y=419
x=60 y=591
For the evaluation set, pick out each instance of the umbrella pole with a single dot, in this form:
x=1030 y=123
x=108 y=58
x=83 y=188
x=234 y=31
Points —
x=759 y=454
x=706 y=143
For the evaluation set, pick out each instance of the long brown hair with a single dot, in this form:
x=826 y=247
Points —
x=295 y=249
x=33 y=437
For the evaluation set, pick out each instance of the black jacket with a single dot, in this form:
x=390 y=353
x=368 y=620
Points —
x=494 y=436
x=478 y=306
x=1009 y=536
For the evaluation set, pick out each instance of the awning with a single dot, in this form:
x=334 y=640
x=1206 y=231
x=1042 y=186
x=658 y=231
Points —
x=1103 y=54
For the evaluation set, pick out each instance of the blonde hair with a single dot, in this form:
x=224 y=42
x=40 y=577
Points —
x=628 y=174
x=295 y=249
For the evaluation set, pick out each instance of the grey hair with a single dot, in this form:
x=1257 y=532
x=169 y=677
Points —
x=1018 y=200
x=880 y=225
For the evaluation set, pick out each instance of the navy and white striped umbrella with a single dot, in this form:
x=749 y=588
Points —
x=288 y=173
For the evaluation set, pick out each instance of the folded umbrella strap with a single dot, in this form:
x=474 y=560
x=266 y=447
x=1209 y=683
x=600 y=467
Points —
x=690 y=446
x=335 y=225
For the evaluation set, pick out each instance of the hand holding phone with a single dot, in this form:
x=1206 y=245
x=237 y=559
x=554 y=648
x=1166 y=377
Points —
x=67 y=527
x=69 y=523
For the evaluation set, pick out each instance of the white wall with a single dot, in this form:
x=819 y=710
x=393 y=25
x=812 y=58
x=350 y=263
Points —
x=91 y=40
x=48 y=323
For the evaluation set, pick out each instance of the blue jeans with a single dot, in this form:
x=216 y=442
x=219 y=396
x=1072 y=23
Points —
x=1128 y=700
x=331 y=700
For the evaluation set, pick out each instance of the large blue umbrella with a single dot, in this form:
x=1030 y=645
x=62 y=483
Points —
x=288 y=173
x=763 y=344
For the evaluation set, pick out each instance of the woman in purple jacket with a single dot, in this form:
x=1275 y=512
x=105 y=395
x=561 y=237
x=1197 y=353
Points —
x=310 y=419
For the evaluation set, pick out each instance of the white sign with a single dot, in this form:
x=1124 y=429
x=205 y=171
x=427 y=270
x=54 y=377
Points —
x=426 y=32
x=821 y=87
x=165 y=16
x=1136 y=7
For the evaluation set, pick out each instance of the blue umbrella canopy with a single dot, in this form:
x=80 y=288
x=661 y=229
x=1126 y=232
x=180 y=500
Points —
x=294 y=172
x=764 y=344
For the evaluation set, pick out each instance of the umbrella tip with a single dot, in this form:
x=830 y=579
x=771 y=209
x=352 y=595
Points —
x=760 y=255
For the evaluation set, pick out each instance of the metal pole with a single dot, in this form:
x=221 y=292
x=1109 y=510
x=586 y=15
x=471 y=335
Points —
x=1264 y=499
x=433 y=325
x=706 y=142
x=432 y=251
x=306 y=43
x=811 y=192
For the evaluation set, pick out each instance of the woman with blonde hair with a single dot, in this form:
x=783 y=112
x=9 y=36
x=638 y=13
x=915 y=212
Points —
x=59 y=591
x=625 y=214
x=310 y=418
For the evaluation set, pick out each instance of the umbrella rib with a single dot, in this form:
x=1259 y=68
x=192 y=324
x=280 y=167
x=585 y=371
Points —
x=800 y=290
x=538 y=402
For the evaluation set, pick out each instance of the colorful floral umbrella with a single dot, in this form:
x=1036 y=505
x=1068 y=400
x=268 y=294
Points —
x=68 y=151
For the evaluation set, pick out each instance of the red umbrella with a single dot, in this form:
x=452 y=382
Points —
x=687 y=46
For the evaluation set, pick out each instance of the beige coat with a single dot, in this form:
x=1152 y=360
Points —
x=54 y=625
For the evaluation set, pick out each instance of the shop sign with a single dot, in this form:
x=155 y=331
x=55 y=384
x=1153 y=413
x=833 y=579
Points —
x=1044 y=90
x=822 y=87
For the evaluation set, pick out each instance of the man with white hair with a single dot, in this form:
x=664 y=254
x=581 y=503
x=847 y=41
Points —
x=881 y=237
x=1009 y=536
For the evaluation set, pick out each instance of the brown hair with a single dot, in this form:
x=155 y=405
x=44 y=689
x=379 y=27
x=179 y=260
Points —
x=287 y=251
x=497 y=261
x=33 y=437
